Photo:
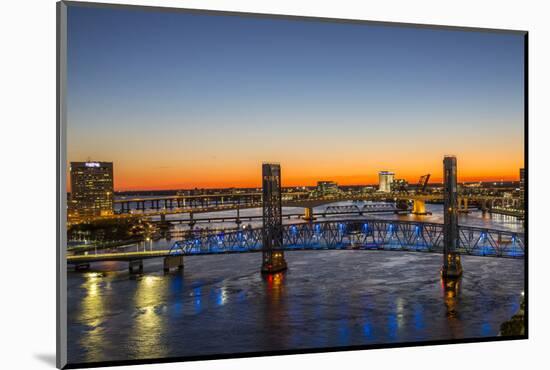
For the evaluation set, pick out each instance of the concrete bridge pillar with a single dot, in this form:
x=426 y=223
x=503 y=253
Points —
x=238 y=220
x=308 y=214
x=483 y=205
x=463 y=205
x=173 y=262
x=419 y=207
x=192 y=221
x=163 y=224
x=135 y=267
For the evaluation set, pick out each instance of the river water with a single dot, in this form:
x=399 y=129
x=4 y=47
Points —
x=222 y=304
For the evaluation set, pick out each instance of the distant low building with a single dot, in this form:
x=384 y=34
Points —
x=385 y=179
x=400 y=186
x=327 y=187
x=368 y=189
x=92 y=189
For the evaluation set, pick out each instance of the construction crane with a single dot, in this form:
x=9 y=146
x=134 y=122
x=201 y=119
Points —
x=422 y=183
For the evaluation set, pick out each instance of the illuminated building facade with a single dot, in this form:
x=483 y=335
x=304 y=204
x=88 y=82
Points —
x=91 y=189
x=273 y=258
x=522 y=186
x=327 y=187
x=400 y=185
x=385 y=179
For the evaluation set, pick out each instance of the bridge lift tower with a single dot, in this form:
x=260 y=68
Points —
x=452 y=266
x=273 y=258
x=423 y=183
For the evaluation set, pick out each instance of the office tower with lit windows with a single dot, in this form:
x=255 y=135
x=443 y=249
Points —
x=91 y=189
x=385 y=179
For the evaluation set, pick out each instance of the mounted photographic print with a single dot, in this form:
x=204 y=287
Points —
x=236 y=185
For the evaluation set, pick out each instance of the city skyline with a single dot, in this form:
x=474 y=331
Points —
x=314 y=183
x=240 y=185
x=186 y=100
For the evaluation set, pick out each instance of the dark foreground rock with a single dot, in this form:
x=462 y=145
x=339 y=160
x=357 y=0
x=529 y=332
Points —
x=516 y=325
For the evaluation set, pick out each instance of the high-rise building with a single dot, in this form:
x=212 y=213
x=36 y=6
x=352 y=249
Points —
x=385 y=179
x=327 y=187
x=272 y=215
x=91 y=189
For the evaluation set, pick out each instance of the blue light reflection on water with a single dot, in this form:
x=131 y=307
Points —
x=197 y=299
x=327 y=298
x=419 y=323
x=367 y=330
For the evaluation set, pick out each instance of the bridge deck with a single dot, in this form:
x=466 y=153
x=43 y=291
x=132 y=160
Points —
x=126 y=257
x=336 y=235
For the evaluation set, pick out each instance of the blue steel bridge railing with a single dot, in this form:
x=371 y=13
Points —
x=358 y=234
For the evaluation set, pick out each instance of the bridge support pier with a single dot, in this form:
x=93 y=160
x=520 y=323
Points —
x=273 y=261
x=238 y=220
x=135 y=266
x=172 y=262
x=419 y=207
x=308 y=214
x=163 y=224
x=484 y=206
x=463 y=205
x=452 y=266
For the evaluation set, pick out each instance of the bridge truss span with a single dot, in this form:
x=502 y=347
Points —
x=369 y=234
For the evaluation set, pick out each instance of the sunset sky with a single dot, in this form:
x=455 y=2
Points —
x=183 y=100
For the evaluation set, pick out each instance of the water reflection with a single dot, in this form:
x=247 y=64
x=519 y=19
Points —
x=197 y=299
x=327 y=298
x=419 y=323
x=274 y=287
x=451 y=296
x=367 y=330
x=221 y=295
x=149 y=320
x=451 y=290
x=275 y=315
x=91 y=315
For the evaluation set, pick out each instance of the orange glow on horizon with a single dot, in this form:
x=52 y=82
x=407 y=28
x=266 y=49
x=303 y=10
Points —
x=241 y=168
x=142 y=182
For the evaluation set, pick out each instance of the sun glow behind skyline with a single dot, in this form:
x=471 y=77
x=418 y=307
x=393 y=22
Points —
x=184 y=100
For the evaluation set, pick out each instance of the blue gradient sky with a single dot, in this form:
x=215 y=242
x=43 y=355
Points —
x=185 y=100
